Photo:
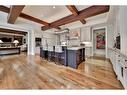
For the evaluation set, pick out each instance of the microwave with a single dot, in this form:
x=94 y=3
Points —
x=118 y=42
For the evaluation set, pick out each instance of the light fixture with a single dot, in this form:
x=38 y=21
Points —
x=16 y=42
x=1 y=41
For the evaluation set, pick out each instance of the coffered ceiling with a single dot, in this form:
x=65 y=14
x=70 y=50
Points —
x=44 y=16
x=49 y=13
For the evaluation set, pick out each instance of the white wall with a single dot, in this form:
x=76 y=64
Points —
x=117 y=23
x=122 y=17
x=110 y=37
x=112 y=27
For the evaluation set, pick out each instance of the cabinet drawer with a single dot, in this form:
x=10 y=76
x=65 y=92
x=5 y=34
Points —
x=123 y=62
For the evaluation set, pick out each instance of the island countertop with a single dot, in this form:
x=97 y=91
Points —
x=75 y=48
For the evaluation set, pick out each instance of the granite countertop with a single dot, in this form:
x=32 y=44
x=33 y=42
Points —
x=8 y=47
x=75 y=48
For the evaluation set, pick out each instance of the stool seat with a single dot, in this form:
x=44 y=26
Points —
x=58 y=49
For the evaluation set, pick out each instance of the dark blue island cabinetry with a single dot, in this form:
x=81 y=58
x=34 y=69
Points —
x=75 y=57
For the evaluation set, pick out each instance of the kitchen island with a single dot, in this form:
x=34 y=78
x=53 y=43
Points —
x=71 y=56
x=9 y=50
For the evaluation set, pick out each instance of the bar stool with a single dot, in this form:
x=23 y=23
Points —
x=58 y=54
x=50 y=53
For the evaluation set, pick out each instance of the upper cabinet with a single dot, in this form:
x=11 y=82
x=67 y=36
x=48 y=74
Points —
x=82 y=34
x=86 y=34
x=63 y=37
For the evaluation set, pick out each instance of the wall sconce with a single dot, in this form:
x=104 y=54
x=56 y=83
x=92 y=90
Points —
x=1 y=42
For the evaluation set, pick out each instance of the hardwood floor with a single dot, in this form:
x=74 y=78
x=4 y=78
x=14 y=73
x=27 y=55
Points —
x=31 y=72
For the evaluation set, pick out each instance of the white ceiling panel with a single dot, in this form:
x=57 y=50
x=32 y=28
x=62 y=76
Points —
x=47 y=13
x=81 y=7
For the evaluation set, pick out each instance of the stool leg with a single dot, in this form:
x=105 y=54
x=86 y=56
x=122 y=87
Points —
x=55 y=57
x=49 y=56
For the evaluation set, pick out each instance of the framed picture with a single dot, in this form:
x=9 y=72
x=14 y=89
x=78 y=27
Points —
x=74 y=34
x=100 y=40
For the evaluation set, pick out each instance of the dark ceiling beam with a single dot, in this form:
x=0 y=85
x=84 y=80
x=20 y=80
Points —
x=4 y=9
x=83 y=21
x=73 y=9
x=83 y=14
x=31 y=18
x=14 y=13
x=12 y=31
x=25 y=16
x=28 y=17
x=75 y=12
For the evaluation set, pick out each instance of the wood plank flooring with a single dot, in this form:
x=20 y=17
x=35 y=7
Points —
x=31 y=72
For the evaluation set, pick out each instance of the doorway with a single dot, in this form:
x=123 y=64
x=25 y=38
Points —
x=99 y=42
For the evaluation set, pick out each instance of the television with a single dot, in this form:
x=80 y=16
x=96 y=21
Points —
x=5 y=39
x=118 y=42
x=38 y=42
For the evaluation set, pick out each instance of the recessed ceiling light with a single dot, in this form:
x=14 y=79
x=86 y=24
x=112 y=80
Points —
x=54 y=7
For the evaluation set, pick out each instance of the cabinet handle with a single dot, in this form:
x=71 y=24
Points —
x=125 y=60
x=118 y=60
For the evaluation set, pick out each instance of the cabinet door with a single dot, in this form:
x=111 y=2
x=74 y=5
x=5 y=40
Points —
x=62 y=37
x=88 y=51
x=85 y=34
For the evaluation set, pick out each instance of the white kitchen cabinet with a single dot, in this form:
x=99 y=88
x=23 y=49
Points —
x=85 y=34
x=62 y=37
x=119 y=62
